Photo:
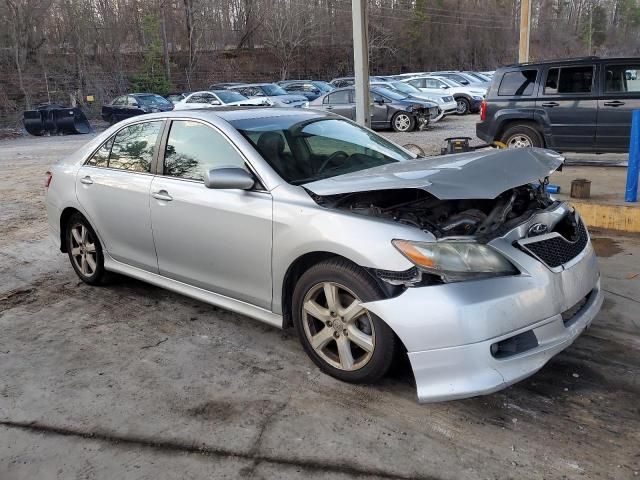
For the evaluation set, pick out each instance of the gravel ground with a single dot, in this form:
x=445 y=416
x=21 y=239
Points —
x=131 y=381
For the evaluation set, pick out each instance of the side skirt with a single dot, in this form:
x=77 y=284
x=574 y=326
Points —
x=206 y=296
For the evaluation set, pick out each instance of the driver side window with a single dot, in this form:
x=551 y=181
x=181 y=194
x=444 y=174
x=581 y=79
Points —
x=194 y=148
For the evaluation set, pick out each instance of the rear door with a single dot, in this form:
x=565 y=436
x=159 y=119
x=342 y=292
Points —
x=113 y=189
x=569 y=106
x=340 y=102
x=620 y=83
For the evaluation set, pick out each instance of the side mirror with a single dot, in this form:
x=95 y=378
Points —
x=464 y=82
x=228 y=178
x=444 y=87
x=379 y=101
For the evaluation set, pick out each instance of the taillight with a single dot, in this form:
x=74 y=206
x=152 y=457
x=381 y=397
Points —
x=47 y=179
x=483 y=110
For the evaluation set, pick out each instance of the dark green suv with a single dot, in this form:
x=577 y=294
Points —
x=578 y=105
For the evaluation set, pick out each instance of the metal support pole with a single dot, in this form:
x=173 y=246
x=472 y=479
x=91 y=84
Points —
x=361 y=60
x=525 y=28
x=631 y=190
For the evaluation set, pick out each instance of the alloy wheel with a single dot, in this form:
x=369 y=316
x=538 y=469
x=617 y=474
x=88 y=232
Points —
x=519 y=141
x=402 y=122
x=461 y=106
x=83 y=250
x=337 y=327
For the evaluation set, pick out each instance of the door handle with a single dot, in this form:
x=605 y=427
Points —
x=550 y=104
x=86 y=180
x=615 y=103
x=162 y=195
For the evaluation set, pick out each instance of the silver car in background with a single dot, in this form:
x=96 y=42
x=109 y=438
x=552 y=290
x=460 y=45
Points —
x=303 y=218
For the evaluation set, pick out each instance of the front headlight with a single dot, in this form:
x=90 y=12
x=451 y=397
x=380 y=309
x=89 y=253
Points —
x=478 y=97
x=456 y=261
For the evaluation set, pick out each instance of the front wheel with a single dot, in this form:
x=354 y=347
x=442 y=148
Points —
x=85 y=251
x=463 y=106
x=343 y=338
x=403 y=122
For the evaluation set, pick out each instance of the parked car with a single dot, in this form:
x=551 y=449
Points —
x=488 y=73
x=133 y=104
x=175 y=97
x=447 y=103
x=348 y=81
x=305 y=218
x=581 y=105
x=468 y=99
x=225 y=85
x=389 y=109
x=464 y=79
x=483 y=78
x=215 y=98
x=311 y=89
x=277 y=95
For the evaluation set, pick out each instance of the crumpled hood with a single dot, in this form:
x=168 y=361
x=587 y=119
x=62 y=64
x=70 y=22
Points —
x=483 y=174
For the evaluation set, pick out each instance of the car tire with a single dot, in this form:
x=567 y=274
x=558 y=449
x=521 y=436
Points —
x=403 y=122
x=463 y=106
x=84 y=250
x=522 y=136
x=350 y=344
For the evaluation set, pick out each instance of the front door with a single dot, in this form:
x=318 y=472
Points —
x=218 y=240
x=568 y=102
x=620 y=95
x=113 y=188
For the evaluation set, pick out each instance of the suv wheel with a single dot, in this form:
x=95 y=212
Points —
x=463 y=106
x=522 y=136
x=344 y=339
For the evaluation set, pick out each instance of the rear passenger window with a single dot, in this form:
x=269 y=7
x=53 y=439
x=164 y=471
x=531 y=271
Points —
x=339 y=97
x=133 y=147
x=194 y=148
x=101 y=157
x=622 y=78
x=518 y=83
x=569 y=80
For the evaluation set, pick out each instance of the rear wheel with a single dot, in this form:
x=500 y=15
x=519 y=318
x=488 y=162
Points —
x=85 y=251
x=522 y=136
x=344 y=339
x=403 y=122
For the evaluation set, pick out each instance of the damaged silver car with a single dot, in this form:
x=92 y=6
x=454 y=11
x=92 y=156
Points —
x=305 y=219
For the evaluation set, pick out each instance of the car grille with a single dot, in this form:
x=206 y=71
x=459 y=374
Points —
x=557 y=250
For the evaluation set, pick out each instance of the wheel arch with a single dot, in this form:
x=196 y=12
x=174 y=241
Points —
x=510 y=122
x=64 y=220
x=303 y=263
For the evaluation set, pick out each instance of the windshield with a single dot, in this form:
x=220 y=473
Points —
x=303 y=150
x=273 y=90
x=451 y=83
x=324 y=86
x=227 y=96
x=405 y=88
x=155 y=100
x=392 y=94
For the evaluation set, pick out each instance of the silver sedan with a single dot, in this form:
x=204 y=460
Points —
x=302 y=218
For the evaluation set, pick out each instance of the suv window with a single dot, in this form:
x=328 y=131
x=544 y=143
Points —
x=518 y=83
x=417 y=82
x=194 y=148
x=339 y=97
x=133 y=147
x=622 y=78
x=569 y=80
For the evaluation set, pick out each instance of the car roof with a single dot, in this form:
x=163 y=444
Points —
x=576 y=60
x=232 y=113
x=260 y=84
x=140 y=94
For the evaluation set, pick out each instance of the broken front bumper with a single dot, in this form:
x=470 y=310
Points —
x=471 y=338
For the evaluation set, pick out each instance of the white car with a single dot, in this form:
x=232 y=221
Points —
x=216 y=98
x=445 y=101
x=468 y=98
